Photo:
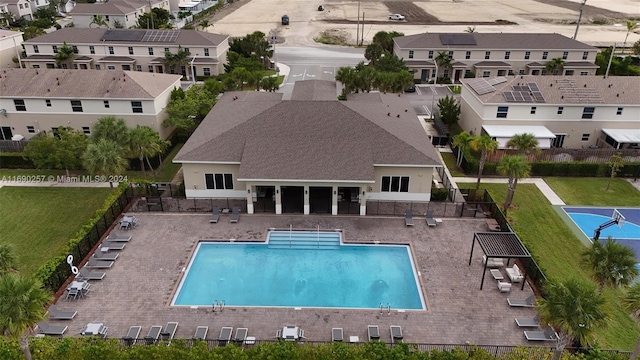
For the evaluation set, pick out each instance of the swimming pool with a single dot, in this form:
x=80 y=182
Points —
x=278 y=275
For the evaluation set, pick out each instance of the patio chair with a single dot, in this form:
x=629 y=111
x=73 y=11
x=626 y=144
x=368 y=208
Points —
x=112 y=245
x=514 y=274
x=153 y=335
x=241 y=335
x=529 y=322
x=504 y=286
x=169 y=331
x=408 y=218
x=337 y=334
x=396 y=333
x=201 y=333
x=215 y=215
x=104 y=256
x=235 y=214
x=132 y=334
x=73 y=293
x=431 y=222
x=225 y=335
x=279 y=334
x=492 y=262
x=528 y=302
x=547 y=335
x=56 y=314
x=94 y=263
x=48 y=329
x=84 y=273
x=113 y=236
x=374 y=332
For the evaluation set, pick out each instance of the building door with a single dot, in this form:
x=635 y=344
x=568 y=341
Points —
x=348 y=200
x=292 y=199
x=458 y=75
x=320 y=200
x=264 y=199
x=424 y=74
x=558 y=142
x=6 y=133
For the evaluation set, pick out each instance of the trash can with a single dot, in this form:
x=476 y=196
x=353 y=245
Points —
x=285 y=20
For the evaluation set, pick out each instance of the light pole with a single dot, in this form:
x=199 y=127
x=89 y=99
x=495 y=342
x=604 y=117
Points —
x=579 y=18
x=274 y=39
x=193 y=72
x=433 y=94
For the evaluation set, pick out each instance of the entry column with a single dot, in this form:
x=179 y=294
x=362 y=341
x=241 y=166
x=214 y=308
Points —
x=278 y=200
x=249 y=200
x=334 y=201
x=306 y=200
x=363 y=202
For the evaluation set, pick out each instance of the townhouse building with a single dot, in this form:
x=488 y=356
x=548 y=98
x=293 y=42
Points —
x=492 y=54
x=10 y=48
x=116 y=13
x=19 y=9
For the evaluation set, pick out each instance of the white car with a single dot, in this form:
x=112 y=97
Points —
x=396 y=17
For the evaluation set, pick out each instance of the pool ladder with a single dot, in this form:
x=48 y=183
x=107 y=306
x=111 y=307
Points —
x=388 y=308
x=219 y=305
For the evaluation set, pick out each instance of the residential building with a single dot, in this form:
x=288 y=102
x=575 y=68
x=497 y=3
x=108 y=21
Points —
x=10 y=48
x=562 y=111
x=310 y=152
x=492 y=54
x=116 y=13
x=131 y=49
x=5 y=15
x=37 y=100
x=38 y=4
x=19 y=9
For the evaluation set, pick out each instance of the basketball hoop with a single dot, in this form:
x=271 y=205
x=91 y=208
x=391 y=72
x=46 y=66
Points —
x=618 y=218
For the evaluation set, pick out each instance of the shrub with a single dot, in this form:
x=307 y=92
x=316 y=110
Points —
x=15 y=161
x=439 y=194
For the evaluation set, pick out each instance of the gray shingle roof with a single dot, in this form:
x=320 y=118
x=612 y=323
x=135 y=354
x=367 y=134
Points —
x=490 y=41
x=59 y=83
x=310 y=139
x=492 y=64
x=113 y=7
x=314 y=90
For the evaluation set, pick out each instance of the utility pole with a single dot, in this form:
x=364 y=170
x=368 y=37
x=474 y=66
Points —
x=358 y=25
x=579 y=19
x=362 y=32
x=610 y=58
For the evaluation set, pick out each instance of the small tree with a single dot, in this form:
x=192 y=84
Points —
x=463 y=142
x=449 y=109
x=105 y=157
x=270 y=83
x=636 y=48
x=525 y=143
x=348 y=77
x=631 y=26
x=612 y=263
x=60 y=150
x=113 y=129
x=373 y=53
x=188 y=111
x=486 y=145
x=554 y=66
x=515 y=167
x=470 y=29
x=631 y=302
x=7 y=259
x=65 y=55
x=443 y=60
x=144 y=142
x=99 y=21
x=615 y=163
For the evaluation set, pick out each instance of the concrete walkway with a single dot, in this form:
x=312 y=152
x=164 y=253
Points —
x=553 y=198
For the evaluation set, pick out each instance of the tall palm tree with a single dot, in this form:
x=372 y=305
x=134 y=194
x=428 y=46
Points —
x=631 y=26
x=348 y=77
x=612 y=263
x=99 y=21
x=270 y=83
x=240 y=75
x=144 y=142
x=65 y=55
x=22 y=305
x=204 y=24
x=575 y=308
x=631 y=302
x=525 y=143
x=463 y=142
x=515 y=167
x=554 y=66
x=443 y=60
x=366 y=78
x=384 y=81
x=486 y=145
x=104 y=157
x=470 y=29
x=111 y=128
x=255 y=79
x=7 y=258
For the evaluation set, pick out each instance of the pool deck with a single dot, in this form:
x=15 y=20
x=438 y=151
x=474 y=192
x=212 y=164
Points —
x=138 y=288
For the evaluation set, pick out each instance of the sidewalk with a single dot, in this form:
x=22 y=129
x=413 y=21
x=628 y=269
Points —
x=553 y=198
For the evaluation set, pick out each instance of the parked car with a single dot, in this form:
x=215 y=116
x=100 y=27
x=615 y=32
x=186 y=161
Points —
x=410 y=89
x=321 y=8
x=285 y=19
x=396 y=17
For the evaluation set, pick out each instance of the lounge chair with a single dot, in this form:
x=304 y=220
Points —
x=528 y=302
x=215 y=215
x=431 y=222
x=153 y=335
x=112 y=245
x=201 y=333
x=118 y=238
x=408 y=218
x=514 y=274
x=225 y=335
x=104 y=256
x=48 y=329
x=84 y=273
x=169 y=331
x=396 y=333
x=504 y=286
x=337 y=334
x=374 y=332
x=94 y=263
x=529 y=322
x=132 y=334
x=241 y=335
x=55 y=314
x=235 y=214
x=547 y=335
x=492 y=262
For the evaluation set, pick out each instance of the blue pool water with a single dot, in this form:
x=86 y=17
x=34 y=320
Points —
x=341 y=276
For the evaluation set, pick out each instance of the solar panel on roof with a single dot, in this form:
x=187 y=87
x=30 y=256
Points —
x=122 y=35
x=508 y=96
x=497 y=80
x=526 y=96
x=160 y=35
x=457 y=39
x=533 y=87
x=537 y=95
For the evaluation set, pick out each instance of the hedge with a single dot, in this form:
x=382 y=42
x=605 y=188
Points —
x=439 y=194
x=11 y=160
x=547 y=168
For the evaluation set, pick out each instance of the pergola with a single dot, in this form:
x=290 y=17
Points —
x=500 y=245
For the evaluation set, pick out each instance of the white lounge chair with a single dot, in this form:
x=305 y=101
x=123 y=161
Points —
x=104 y=256
x=241 y=335
x=153 y=335
x=84 y=273
x=132 y=334
x=529 y=322
x=201 y=333
x=118 y=238
x=55 y=314
x=514 y=274
x=374 y=332
x=492 y=262
x=431 y=222
x=547 y=335
x=408 y=218
x=337 y=334
x=396 y=333
x=112 y=245
x=235 y=214
x=94 y=263
x=225 y=335
x=48 y=329
x=169 y=331
x=528 y=302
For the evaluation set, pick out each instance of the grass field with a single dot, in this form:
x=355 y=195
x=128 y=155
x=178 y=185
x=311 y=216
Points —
x=557 y=251
x=591 y=191
x=39 y=221
x=450 y=162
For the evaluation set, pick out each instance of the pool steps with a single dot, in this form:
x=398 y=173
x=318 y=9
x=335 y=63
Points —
x=310 y=240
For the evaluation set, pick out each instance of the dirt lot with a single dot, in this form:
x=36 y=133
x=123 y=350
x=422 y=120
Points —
x=341 y=16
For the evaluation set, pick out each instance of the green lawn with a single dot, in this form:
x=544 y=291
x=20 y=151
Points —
x=591 y=191
x=450 y=162
x=39 y=221
x=557 y=251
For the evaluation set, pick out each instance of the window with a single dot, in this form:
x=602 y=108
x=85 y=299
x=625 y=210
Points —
x=430 y=55
x=75 y=49
x=585 y=55
x=527 y=55
x=106 y=104
x=136 y=106
x=106 y=18
x=51 y=66
x=54 y=48
x=92 y=50
x=450 y=54
x=76 y=105
x=150 y=50
x=584 y=73
x=206 y=71
x=20 y=106
x=86 y=130
x=97 y=66
x=48 y=102
x=487 y=55
x=486 y=73
x=126 y=67
x=560 y=110
x=568 y=72
x=507 y=55
x=31 y=129
x=533 y=110
x=166 y=50
x=467 y=55
x=395 y=183
x=138 y=67
x=35 y=49
x=219 y=181
x=502 y=72
x=206 y=51
x=585 y=137
x=545 y=55
x=521 y=72
x=565 y=55
x=36 y=66
x=130 y=50
x=111 y=67
x=150 y=68
x=619 y=111
x=410 y=54
x=587 y=112
x=64 y=66
x=502 y=112
x=111 y=52
x=75 y=66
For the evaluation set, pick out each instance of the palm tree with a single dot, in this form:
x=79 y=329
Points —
x=64 y=56
x=22 y=305
x=515 y=167
x=111 y=128
x=99 y=20
x=525 y=143
x=575 y=308
x=486 y=145
x=463 y=142
x=7 y=258
x=240 y=75
x=204 y=24
x=255 y=79
x=104 y=157
x=348 y=77
x=631 y=302
x=612 y=263
x=554 y=66
x=384 y=81
x=631 y=26
x=373 y=53
x=179 y=59
x=443 y=60
x=470 y=29
x=270 y=83
x=144 y=142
